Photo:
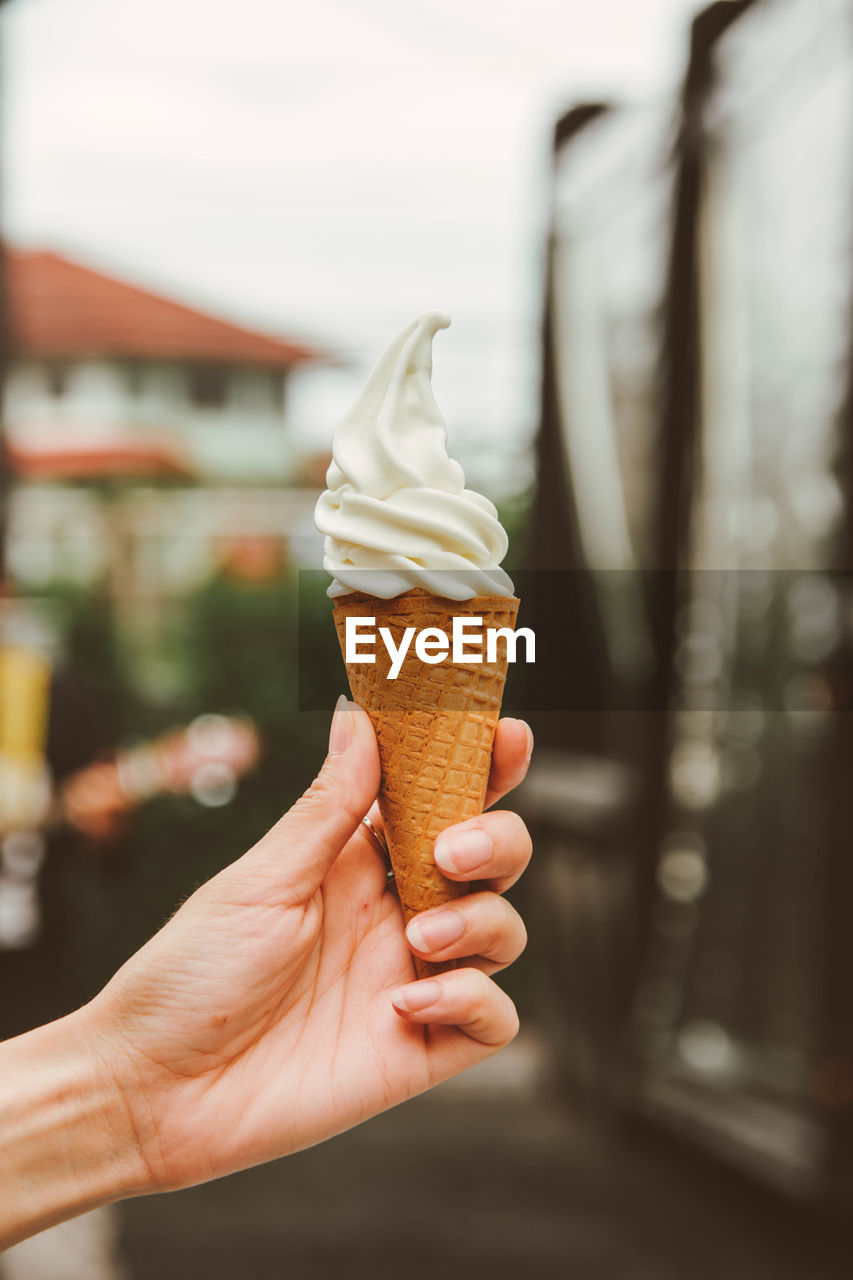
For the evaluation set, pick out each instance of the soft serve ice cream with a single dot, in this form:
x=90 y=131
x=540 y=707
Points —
x=396 y=514
x=415 y=555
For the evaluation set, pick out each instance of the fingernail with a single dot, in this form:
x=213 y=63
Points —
x=434 y=932
x=340 y=734
x=417 y=996
x=463 y=850
x=529 y=733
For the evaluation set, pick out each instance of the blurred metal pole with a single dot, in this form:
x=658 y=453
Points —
x=680 y=427
x=576 y=678
x=5 y=469
x=833 y=1082
x=5 y=343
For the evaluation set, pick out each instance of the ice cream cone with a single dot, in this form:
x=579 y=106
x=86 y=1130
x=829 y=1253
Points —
x=435 y=725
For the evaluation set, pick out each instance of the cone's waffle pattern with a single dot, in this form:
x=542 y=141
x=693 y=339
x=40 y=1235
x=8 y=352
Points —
x=435 y=725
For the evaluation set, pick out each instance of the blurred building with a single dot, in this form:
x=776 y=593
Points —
x=99 y=362
x=150 y=442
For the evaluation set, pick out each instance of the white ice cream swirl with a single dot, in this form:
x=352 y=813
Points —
x=396 y=514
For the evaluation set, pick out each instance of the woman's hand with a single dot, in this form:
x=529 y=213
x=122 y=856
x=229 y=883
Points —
x=278 y=1006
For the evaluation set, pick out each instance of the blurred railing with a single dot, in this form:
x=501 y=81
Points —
x=694 y=484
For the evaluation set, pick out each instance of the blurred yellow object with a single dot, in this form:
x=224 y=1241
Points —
x=24 y=699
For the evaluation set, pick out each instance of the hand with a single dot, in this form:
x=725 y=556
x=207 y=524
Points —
x=277 y=1007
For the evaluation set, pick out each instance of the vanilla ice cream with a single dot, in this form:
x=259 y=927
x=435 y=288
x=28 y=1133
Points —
x=396 y=514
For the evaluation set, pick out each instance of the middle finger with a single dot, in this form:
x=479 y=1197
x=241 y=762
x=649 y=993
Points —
x=494 y=847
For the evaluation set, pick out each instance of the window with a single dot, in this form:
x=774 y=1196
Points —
x=56 y=377
x=133 y=377
x=258 y=391
x=278 y=382
x=208 y=386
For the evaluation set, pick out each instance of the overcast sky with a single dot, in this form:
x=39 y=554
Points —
x=327 y=170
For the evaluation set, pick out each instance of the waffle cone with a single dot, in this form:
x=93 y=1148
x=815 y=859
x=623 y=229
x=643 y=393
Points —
x=434 y=725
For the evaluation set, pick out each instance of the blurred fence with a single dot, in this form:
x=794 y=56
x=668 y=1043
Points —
x=694 y=486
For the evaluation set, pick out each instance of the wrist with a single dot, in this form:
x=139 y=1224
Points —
x=66 y=1139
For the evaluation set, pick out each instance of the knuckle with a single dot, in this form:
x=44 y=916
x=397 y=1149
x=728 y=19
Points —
x=503 y=933
x=318 y=793
x=493 y=933
x=516 y=937
x=480 y=990
x=514 y=836
x=513 y=1024
x=325 y=793
x=310 y=803
x=522 y=841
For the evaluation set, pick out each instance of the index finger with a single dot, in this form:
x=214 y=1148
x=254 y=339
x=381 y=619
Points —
x=511 y=753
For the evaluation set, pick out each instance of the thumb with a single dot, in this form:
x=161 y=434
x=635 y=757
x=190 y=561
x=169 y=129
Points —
x=302 y=845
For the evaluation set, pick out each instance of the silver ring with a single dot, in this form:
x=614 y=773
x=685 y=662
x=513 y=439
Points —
x=379 y=841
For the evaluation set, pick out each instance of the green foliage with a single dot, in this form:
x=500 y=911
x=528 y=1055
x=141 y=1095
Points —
x=236 y=646
x=90 y=648
x=241 y=655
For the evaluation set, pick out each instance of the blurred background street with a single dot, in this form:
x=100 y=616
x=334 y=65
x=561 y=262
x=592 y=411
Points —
x=214 y=218
x=532 y=1188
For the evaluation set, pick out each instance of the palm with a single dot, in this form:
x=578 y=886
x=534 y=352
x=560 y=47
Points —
x=318 y=1026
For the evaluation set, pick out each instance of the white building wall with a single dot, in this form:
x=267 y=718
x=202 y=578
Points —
x=61 y=533
x=245 y=440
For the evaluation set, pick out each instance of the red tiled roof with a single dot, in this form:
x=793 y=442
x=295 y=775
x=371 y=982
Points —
x=60 y=309
x=130 y=458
